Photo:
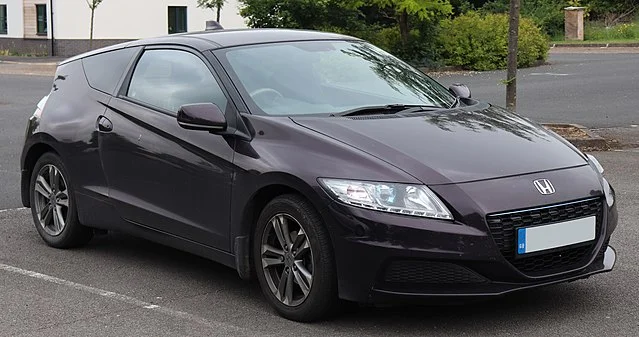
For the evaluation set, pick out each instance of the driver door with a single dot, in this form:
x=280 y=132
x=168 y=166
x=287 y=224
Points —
x=162 y=176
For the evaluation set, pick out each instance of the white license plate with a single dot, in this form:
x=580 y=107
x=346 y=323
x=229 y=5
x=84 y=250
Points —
x=534 y=239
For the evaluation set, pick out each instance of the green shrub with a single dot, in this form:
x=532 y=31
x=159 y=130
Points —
x=480 y=42
x=597 y=31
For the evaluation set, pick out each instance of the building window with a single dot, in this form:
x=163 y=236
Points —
x=177 y=19
x=3 y=19
x=41 y=16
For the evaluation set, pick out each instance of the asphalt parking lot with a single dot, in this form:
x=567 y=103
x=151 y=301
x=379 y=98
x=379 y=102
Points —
x=122 y=286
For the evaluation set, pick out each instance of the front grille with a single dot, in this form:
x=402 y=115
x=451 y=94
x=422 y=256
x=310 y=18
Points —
x=427 y=272
x=503 y=228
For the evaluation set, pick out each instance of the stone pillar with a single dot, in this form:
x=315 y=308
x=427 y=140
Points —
x=574 y=23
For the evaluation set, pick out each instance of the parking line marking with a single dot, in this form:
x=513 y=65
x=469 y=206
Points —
x=549 y=74
x=12 y=209
x=127 y=299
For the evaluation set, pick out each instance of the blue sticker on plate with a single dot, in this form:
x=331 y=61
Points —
x=521 y=241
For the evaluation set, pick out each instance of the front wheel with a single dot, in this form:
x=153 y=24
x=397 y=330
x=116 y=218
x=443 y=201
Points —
x=294 y=260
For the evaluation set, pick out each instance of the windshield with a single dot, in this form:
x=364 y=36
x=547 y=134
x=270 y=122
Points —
x=327 y=77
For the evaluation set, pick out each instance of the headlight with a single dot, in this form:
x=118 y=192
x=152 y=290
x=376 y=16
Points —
x=415 y=200
x=595 y=164
x=610 y=195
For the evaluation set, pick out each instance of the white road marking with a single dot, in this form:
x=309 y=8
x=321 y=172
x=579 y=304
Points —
x=127 y=299
x=549 y=74
x=12 y=209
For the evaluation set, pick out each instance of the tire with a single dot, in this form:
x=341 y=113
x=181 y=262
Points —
x=58 y=226
x=310 y=253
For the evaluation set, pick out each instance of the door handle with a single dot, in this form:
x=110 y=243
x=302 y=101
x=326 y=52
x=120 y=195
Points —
x=104 y=124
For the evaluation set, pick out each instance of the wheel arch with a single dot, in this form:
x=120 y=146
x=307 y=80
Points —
x=247 y=211
x=38 y=147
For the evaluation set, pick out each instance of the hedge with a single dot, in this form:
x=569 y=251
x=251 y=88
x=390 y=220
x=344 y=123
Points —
x=480 y=42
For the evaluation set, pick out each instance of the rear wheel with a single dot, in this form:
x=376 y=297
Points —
x=53 y=205
x=294 y=260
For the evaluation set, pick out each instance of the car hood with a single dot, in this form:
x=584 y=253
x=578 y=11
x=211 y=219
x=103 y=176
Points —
x=453 y=146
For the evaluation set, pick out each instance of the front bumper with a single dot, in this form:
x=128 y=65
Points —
x=385 y=258
x=491 y=289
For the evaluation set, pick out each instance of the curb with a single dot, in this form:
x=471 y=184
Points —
x=30 y=63
x=595 y=45
x=593 y=143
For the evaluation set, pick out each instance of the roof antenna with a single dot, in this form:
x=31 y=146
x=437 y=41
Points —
x=213 y=25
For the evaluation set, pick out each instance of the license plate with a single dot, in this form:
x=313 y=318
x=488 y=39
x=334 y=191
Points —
x=534 y=239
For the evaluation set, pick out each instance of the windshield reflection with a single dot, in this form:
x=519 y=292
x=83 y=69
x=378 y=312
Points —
x=324 y=77
x=400 y=75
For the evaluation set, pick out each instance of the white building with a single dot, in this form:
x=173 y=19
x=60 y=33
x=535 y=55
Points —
x=62 y=27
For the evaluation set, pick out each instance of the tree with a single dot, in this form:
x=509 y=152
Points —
x=93 y=4
x=301 y=14
x=612 y=11
x=406 y=28
x=511 y=74
x=215 y=5
x=403 y=9
x=317 y=14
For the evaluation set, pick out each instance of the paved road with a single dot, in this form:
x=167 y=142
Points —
x=18 y=98
x=596 y=90
x=123 y=286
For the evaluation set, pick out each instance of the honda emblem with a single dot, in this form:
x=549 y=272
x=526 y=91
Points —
x=544 y=186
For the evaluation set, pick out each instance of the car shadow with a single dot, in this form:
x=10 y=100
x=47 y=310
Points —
x=523 y=311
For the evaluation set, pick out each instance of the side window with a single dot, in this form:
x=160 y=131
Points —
x=105 y=70
x=168 y=79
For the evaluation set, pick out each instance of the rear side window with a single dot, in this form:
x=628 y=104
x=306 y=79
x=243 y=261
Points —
x=168 y=79
x=105 y=70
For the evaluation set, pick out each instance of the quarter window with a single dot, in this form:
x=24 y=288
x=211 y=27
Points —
x=177 y=19
x=168 y=79
x=3 y=19
x=41 y=17
x=105 y=70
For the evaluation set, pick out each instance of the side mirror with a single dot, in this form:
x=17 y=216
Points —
x=202 y=116
x=459 y=90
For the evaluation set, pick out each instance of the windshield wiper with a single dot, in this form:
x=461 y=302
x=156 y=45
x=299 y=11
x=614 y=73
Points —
x=455 y=103
x=387 y=109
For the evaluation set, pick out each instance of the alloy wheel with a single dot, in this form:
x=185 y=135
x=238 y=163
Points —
x=287 y=259
x=51 y=200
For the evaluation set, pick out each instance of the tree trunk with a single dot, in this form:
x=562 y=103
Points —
x=219 y=10
x=511 y=76
x=91 y=33
x=403 y=27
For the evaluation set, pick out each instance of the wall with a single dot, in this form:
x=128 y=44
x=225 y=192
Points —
x=115 y=21
x=132 y=19
x=30 y=19
x=230 y=17
x=15 y=40
x=14 y=19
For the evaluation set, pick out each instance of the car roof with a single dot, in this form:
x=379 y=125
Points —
x=237 y=37
x=223 y=38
